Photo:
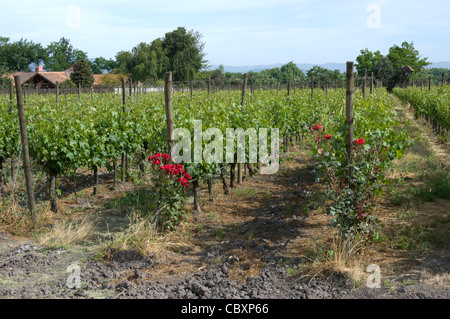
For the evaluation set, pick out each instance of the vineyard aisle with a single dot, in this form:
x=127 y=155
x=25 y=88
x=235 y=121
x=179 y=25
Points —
x=268 y=239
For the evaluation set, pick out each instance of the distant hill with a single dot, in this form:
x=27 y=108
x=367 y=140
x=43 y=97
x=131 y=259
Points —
x=305 y=67
x=445 y=64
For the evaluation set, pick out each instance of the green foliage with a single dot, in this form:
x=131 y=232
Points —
x=184 y=52
x=61 y=54
x=68 y=84
x=406 y=54
x=433 y=104
x=367 y=60
x=19 y=55
x=82 y=74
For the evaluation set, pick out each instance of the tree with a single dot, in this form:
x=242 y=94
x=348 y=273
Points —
x=406 y=54
x=184 y=51
x=145 y=62
x=82 y=74
x=384 y=71
x=367 y=60
x=61 y=55
x=102 y=65
x=291 y=71
x=20 y=55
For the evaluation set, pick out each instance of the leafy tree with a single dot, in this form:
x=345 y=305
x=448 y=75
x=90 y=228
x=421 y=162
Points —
x=19 y=55
x=61 y=54
x=82 y=74
x=102 y=65
x=367 y=60
x=290 y=71
x=145 y=62
x=184 y=52
x=384 y=71
x=406 y=54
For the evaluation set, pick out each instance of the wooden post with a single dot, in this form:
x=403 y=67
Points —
x=26 y=155
x=289 y=87
x=124 y=96
x=244 y=90
x=130 y=87
x=371 y=83
x=124 y=103
x=209 y=87
x=57 y=94
x=364 y=83
x=11 y=97
x=169 y=111
x=349 y=114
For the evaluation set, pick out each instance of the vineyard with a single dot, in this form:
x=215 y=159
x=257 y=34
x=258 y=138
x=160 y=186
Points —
x=79 y=137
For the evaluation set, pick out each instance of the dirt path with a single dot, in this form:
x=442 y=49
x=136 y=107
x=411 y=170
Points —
x=246 y=245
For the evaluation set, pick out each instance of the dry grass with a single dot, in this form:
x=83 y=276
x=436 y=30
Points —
x=140 y=237
x=341 y=257
x=16 y=220
x=68 y=232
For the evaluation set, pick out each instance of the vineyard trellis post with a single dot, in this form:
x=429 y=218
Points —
x=57 y=94
x=350 y=82
x=371 y=83
x=169 y=111
x=364 y=83
x=244 y=92
x=124 y=102
x=11 y=96
x=25 y=152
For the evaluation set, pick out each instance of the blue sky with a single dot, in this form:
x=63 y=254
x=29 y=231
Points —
x=238 y=32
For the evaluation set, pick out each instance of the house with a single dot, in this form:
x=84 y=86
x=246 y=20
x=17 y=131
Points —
x=47 y=80
x=407 y=71
x=42 y=80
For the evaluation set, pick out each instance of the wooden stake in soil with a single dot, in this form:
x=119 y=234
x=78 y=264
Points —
x=11 y=97
x=349 y=114
x=364 y=83
x=26 y=155
x=124 y=102
x=57 y=94
x=169 y=111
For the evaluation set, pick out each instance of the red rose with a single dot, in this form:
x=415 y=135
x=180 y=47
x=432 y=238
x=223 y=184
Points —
x=317 y=127
x=360 y=141
x=158 y=155
x=166 y=156
x=186 y=175
x=156 y=162
x=327 y=137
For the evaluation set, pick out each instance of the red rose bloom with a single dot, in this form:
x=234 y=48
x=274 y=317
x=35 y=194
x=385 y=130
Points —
x=166 y=156
x=360 y=141
x=327 y=137
x=317 y=127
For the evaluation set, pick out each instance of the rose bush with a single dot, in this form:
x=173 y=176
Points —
x=352 y=187
x=170 y=181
